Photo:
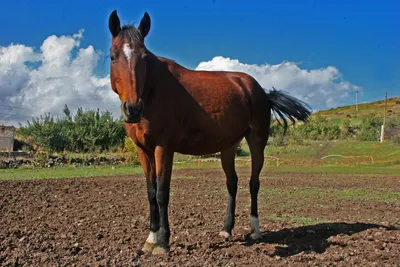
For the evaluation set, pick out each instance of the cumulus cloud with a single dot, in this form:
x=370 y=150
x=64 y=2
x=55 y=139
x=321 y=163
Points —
x=320 y=88
x=61 y=72
x=35 y=81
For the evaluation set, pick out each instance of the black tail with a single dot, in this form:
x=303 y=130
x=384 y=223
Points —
x=288 y=106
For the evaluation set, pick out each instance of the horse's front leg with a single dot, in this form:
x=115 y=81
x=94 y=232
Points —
x=164 y=160
x=148 y=165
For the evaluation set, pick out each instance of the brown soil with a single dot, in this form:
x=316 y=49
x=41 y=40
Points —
x=104 y=222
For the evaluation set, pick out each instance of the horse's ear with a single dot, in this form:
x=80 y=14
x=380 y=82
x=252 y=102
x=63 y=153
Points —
x=114 y=24
x=144 y=26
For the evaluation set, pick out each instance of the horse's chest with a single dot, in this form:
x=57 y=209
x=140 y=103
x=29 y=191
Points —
x=141 y=136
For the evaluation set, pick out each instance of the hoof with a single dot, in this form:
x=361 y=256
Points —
x=159 y=251
x=148 y=247
x=256 y=236
x=225 y=235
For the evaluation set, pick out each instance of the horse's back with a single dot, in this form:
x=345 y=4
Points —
x=239 y=92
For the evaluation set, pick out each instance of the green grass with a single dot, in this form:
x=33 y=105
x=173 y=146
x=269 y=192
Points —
x=365 y=148
x=295 y=220
x=310 y=205
x=365 y=194
x=123 y=170
x=339 y=114
x=69 y=172
x=363 y=109
x=363 y=158
x=80 y=172
x=293 y=194
x=351 y=152
x=310 y=152
x=340 y=170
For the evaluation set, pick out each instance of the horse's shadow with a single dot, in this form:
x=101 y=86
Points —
x=313 y=238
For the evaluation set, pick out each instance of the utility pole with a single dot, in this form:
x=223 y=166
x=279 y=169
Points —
x=384 y=120
x=356 y=101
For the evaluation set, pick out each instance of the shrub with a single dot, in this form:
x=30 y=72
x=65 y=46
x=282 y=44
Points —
x=345 y=129
x=296 y=137
x=277 y=134
x=86 y=131
x=393 y=122
x=130 y=149
x=278 y=141
x=241 y=152
x=396 y=140
x=370 y=128
x=318 y=128
x=41 y=159
x=331 y=132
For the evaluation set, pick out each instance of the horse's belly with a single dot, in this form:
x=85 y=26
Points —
x=215 y=130
x=200 y=142
x=203 y=148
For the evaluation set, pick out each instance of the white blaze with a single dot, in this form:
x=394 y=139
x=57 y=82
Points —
x=128 y=51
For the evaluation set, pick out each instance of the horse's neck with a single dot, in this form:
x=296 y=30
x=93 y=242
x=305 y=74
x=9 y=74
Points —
x=164 y=73
x=173 y=67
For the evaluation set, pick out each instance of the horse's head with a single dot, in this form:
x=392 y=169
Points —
x=128 y=65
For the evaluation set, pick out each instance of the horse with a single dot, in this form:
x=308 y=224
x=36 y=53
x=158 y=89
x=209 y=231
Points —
x=167 y=108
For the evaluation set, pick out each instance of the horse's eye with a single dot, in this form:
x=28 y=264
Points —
x=145 y=56
x=112 y=58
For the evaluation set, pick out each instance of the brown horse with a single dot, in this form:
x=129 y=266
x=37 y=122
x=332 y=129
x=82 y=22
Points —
x=168 y=108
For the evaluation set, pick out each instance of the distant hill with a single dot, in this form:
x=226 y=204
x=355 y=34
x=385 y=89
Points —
x=393 y=110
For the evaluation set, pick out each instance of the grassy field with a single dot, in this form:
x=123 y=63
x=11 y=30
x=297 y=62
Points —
x=365 y=108
x=334 y=153
x=336 y=115
x=125 y=170
x=309 y=153
x=355 y=157
x=101 y=171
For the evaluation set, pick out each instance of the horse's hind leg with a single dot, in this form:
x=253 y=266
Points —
x=257 y=141
x=228 y=165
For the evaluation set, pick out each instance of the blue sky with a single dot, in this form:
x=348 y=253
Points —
x=360 y=38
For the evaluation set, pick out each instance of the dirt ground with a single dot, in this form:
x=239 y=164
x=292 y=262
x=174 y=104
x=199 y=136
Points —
x=306 y=219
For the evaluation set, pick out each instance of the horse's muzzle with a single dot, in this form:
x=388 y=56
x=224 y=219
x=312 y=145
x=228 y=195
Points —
x=132 y=113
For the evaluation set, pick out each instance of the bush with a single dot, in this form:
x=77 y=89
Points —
x=41 y=159
x=278 y=141
x=87 y=131
x=278 y=138
x=345 y=129
x=240 y=152
x=393 y=122
x=370 y=128
x=130 y=149
x=296 y=137
x=396 y=140
x=318 y=128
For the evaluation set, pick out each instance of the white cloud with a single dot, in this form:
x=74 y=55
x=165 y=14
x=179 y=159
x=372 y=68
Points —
x=42 y=81
x=320 y=88
x=62 y=72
